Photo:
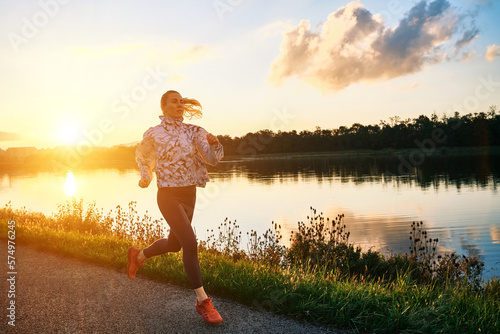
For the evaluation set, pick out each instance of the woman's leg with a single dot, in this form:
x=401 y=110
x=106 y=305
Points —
x=170 y=243
x=177 y=207
x=161 y=246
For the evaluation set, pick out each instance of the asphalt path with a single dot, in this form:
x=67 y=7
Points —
x=56 y=294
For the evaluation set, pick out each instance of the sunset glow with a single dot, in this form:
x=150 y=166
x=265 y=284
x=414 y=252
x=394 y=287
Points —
x=69 y=133
x=327 y=63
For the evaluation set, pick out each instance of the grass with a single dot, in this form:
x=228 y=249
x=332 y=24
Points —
x=320 y=278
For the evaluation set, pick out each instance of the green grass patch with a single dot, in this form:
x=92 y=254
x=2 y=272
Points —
x=321 y=278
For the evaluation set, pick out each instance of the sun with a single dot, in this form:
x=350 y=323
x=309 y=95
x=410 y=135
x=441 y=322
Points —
x=69 y=132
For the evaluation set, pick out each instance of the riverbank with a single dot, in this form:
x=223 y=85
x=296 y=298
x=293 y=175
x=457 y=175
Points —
x=59 y=162
x=336 y=296
x=388 y=152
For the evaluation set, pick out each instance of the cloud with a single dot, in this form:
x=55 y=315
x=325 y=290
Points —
x=96 y=51
x=9 y=136
x=483 y=2
x=411 y=87
x=173 y=51
x=354 y=45
x=468 y=55
x=193 y=53
x=492 y=52
x=467 y=38
x=275 y=28
x=176 y=77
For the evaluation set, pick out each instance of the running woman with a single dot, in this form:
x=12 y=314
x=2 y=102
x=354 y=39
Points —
x=178 y=152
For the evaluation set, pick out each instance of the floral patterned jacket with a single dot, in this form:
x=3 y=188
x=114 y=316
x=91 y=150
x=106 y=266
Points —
x=178 y=152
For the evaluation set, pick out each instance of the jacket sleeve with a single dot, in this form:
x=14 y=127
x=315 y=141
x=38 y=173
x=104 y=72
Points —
x=145 y=155
x=211 y=154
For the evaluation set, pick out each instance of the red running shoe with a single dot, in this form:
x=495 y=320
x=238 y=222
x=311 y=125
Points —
x=132 y=264
x=208 y=311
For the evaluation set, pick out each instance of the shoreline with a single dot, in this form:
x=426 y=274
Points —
x=403 y=301
x=387 y=152
x=384 y=153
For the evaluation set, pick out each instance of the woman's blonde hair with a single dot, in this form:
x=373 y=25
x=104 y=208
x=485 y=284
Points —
x=192 y=108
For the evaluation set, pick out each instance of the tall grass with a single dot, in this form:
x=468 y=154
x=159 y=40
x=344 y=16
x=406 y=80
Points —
x=321 y=277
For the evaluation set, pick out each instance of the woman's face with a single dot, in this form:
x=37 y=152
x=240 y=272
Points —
x=175 y=106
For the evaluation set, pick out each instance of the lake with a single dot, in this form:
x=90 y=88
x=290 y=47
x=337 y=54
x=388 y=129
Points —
x=456 y=197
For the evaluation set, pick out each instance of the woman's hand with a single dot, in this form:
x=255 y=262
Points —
x=144 y=183
x=212 y=139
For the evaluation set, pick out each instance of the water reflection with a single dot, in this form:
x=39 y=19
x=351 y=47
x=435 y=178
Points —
x=456 y=197
x=495 y=234
x=481 y=171
x=70 y=184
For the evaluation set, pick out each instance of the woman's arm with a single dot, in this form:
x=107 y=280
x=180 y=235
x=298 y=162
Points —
x=145 y=156
x=209 y=147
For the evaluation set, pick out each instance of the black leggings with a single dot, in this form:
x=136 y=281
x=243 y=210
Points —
x=177 y=206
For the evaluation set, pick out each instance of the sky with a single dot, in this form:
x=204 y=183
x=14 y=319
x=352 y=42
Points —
x=91 y=73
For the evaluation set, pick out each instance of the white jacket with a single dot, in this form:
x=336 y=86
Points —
x=178 y=152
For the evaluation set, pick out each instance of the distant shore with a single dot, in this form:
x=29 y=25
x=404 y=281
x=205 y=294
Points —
x=128 y=162
x=442 y=151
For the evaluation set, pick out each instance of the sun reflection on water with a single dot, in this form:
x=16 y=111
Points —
x=70 y=184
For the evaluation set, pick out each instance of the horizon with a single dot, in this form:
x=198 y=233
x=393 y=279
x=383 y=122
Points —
x=73 y=68
x=88 y=140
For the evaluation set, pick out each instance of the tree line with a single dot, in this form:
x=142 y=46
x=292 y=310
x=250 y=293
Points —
x=478 y=129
